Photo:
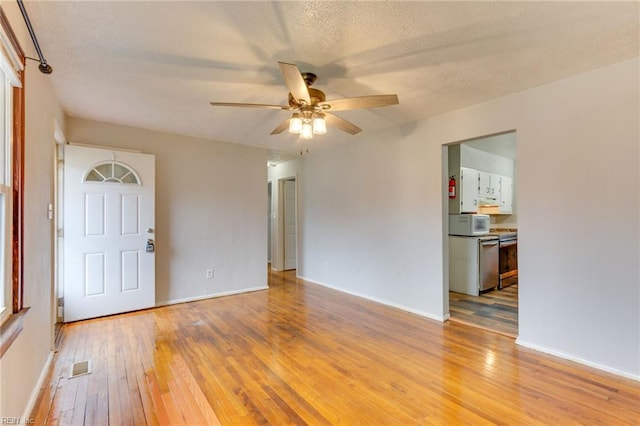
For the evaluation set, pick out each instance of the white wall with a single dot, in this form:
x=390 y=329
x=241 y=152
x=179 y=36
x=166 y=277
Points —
x=372 y=212
x=211 y=204
x=369 y=208
x=578 y=211
x=22 y=364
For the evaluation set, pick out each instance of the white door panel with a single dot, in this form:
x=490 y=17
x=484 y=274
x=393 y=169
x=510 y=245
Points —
x=130 y=214
x=94 y=215
x=130 y=270
x=94 y=274
x=109 y=208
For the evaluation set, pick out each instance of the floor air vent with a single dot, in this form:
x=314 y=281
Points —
x=80 y=368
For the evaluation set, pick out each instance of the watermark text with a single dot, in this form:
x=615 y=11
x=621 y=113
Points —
x=17 y=421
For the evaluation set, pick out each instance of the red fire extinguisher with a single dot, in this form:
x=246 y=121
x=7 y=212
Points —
x=452 y=187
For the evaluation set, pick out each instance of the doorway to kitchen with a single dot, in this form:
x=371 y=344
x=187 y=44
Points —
x=481 y=232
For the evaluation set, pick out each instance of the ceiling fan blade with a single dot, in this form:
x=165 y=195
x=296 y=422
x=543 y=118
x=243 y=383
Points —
x=361 y=102
x=281 y=127
x=267 y=106
x=295 y=83
x=341 y=123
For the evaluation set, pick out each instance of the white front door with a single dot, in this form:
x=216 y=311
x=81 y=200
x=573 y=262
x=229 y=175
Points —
x=109 y=215
x=290 y=248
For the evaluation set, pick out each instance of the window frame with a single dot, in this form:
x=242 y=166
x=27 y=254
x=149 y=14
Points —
x=113 y=177
x=17 y=171
x=11 y=320
x=6 y=193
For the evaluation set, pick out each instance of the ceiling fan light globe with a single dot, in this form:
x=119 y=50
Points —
x=295 y=124
x=319 y=126
x=307 y=131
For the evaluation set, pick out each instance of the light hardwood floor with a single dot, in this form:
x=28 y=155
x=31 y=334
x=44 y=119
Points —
x=300 y=353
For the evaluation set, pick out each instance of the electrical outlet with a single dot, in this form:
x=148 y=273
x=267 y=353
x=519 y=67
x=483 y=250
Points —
x=209 y=273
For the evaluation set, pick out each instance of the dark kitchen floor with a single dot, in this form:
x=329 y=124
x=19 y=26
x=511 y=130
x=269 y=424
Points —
x=496 y=310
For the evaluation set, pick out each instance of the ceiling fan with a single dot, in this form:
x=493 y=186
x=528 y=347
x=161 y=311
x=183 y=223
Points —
x=311 y=111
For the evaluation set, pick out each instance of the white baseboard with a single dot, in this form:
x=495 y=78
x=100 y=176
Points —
x=36 y=390
x=572 y=358
x=209 y=296
x=381 y=301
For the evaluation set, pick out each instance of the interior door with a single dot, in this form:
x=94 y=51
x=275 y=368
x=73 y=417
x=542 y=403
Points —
x=109 y=213
x=290 y=238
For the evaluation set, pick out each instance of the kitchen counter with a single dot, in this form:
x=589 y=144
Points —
x=487 y=237
x=504 y=233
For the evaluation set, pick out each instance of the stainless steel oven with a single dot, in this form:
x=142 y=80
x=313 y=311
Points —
x=508 y=259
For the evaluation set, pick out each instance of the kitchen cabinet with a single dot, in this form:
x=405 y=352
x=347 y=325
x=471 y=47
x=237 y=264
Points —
x=468 y=190
x=489 y=185
x=473 y=264
x=496 y=190
x=506 y=195
x=484 y=181
x=463 y=265
x=476 y=188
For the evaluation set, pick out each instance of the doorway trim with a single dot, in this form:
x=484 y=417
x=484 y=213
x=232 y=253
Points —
x=270 y=217
x=278 y=225
x=289 y=207
x=55 y=212
x=445 y=226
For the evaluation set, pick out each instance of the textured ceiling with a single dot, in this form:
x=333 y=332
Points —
x=158 y=64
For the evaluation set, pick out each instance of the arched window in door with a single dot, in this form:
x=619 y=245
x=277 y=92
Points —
x=112 y=172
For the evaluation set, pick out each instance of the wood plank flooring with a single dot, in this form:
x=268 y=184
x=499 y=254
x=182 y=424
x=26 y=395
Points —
x=495 y=310
x=300 y=353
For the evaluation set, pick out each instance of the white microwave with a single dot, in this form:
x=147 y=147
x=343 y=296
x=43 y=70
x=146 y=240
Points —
x=468 y=225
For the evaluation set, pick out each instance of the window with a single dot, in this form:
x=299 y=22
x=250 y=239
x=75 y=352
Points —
x=11 y=154
x=113 y=172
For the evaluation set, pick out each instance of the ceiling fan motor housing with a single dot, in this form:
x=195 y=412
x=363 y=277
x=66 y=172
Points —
x=316 y=96
x=309 y=78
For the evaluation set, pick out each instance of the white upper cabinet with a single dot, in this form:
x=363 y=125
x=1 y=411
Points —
x=489 y=185
x=478 y=188
x=506 y=195
x=484 y=181
x=469 y=180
